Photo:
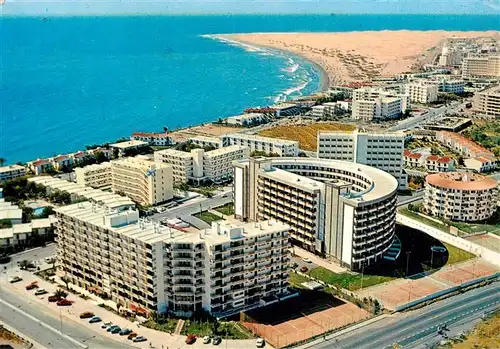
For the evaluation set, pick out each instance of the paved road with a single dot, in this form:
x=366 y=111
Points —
x=45 y=328
x=433 y=114
x=419 y=328
x=404 y=200
x=190 y=209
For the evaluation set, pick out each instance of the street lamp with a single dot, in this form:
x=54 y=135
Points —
x=362 y=272
x=407 y=261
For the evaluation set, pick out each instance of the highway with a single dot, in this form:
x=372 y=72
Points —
x=418 y=329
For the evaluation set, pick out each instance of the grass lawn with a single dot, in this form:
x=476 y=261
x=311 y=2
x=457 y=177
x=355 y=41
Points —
x=296 y=279
x=474 y=228
x=306 y=135
x=484 y=335
x=207 y=217
x=413 y=215
x=227 y=330
x=227 y=209
x=168 y=326
x=457 y=255
x=349 y=281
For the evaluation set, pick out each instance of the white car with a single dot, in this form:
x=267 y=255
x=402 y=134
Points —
x=306 y=260
x=260 y=343
x=206 y=339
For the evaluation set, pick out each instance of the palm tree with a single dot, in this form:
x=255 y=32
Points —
x=2 y=161
x=25 y=264
x=60 y=293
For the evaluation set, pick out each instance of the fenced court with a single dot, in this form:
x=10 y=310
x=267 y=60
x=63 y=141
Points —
x=300 y=318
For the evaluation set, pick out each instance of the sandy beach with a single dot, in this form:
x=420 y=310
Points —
x=359 y=56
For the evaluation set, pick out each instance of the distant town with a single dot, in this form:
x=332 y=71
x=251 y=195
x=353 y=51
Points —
x=279 y=226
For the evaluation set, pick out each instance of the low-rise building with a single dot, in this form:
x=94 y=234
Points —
x=123 y=147
x=145 y=266
x=280 y=147
x=204 y=141
x=380 y=150
x=434 y=163
x=156 y=139
x=487 y=102
x=143 y=181
x=481 y=163
x=200 y=166
x=249 y=119
x=11 y=171
x=10 y=212
x=285 y=109
x=40 y=166
x=462 y=145
x=421 y=92
x=460 y=196
x=413 y=160
x=21 y=234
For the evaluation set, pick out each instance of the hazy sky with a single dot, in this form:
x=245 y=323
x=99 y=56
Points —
x=61 y=7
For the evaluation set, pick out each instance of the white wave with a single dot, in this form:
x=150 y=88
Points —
x=292 y=69
x=297 y=89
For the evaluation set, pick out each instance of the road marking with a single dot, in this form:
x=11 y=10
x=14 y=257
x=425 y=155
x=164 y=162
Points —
x=72 y=340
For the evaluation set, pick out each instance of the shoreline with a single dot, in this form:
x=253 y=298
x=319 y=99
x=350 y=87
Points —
x=324 y=78
x=356 y=56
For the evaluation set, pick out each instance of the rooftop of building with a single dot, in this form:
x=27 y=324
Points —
x=485 y=159
x=491 y=91
x=461 y=181
x=358 y=132
x=129 y=144
x=9 y=168
x=129 y=224
x=224 y=150
x=465 y=141
x=151 y=134
x=293 y=179
x=95 y=167
x=205 y=138
x=246 y=116
x=174 y=152
x=139 y=161
x=282 y=106
x=412 y=155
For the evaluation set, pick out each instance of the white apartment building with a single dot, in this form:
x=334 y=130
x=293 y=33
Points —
x=481 y=66
x=11 y=172
x=97 y=176
x=10 y=212
x=268 y=145
x=204 y=141
x=380 y=150
x=157 y=139
x=198 y=165
x=376 y=103
x=246 y=119
x=460 y=196
x=481 y=163
x=421 y=92
x=19 y=235
x=124 y=147
x=451 y=86
x=330 y=109
x=340 y=209
x=146 y=267
x=143 y=181
x=462 y=145
x=487 y=102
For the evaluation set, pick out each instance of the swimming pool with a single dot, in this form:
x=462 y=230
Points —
x=38 y=211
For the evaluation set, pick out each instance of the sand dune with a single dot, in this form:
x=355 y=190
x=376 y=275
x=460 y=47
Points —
x=357 y=56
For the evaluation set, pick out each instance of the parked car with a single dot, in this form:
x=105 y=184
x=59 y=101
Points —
x=260 y=343
x=86 y=315
x=94 y=319
x=139 y=339
x=32 y=286
x=15 y=279
x=125 y=332
x=107 y=324
x=40 y=292
x=216 y=340
x=306 y=260
x=191 y=338
x=206 y=339
x=116 y=330
x=64 y=302
x=54 y=298
x=132 y=336
x=110 y=328
x=49 y=260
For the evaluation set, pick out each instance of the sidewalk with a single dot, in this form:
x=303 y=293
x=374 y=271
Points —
x=156 y=338
x=318 y=260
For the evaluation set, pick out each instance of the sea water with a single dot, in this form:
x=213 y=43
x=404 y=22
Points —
x=71 y=81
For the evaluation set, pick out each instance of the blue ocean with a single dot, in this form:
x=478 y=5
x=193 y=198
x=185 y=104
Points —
x=71 y=81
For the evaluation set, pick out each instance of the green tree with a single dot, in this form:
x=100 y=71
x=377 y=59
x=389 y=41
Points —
x=25 y=264
x=2 y=161
x=61 y=293
x=5 y=223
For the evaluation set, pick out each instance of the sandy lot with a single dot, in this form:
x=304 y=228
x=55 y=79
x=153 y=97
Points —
x=357 y=56
x=208 y=130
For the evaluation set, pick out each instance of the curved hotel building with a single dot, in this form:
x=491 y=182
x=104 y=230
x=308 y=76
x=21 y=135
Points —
x=460 y=196
x=335 y=208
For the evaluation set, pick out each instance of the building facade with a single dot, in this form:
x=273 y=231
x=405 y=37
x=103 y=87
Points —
x=156 y=139
x=421 y=92
x=380 y=150
x=198 y=165
x=481 y=66
x=204 y=141
x=249 y=119
x=487 y=102
x=462 y=145
x=481 y=164
x=148 y=267
x=460 y=196
x=267 y=145
x=143 y=181
x=371 y=103
x=335 y=208
x=11 y=171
